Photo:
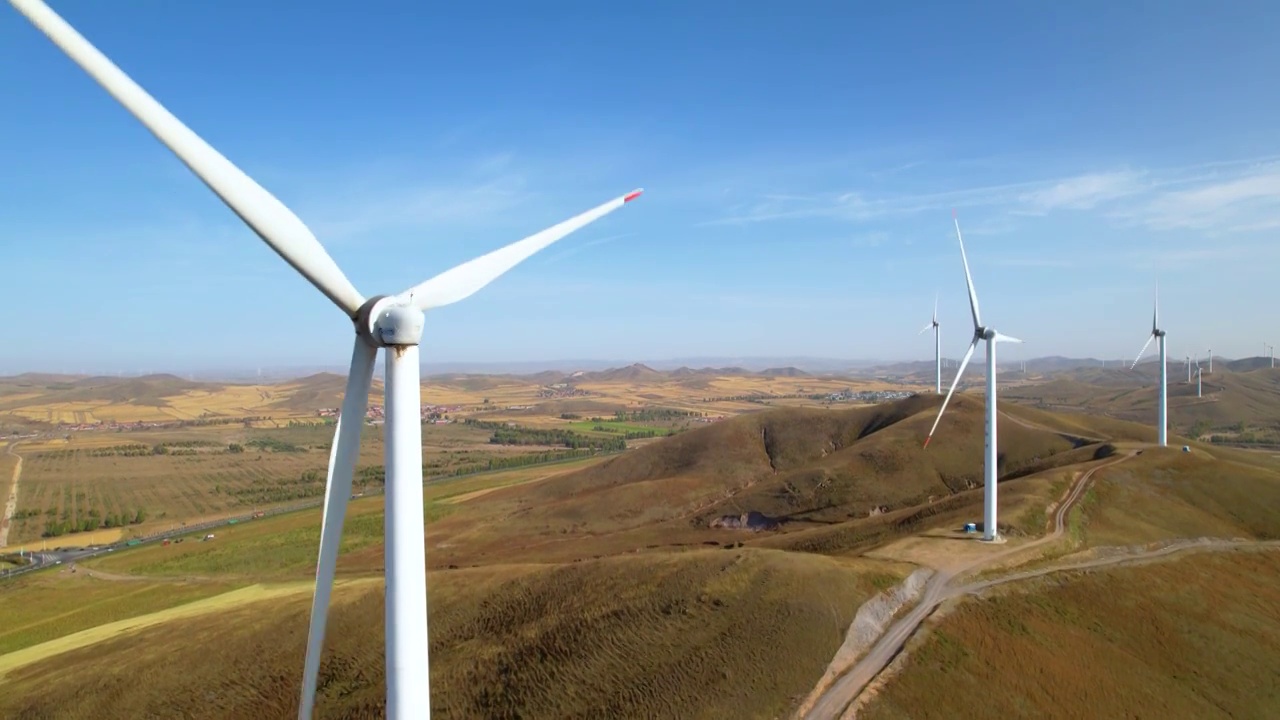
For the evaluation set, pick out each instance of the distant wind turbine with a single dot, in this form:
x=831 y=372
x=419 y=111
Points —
x=1210 y=354
x=990 y=532
x=1199 y=384
x=1187 y=362
x=1162 y=412
x=937 y=347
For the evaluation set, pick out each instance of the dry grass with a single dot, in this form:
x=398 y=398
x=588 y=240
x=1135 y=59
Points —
x=44 y=606
x=1195 y=637
x=1166 y=493
x=1228 y=397
x=705 y=634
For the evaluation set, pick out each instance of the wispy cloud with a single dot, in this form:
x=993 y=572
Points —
x=1031 y=262
x=1085 y=191
x=424 y=206
x=1239 y=204
x=575 y=249
x=1225 y=196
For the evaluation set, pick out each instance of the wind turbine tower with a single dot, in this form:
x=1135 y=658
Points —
x=1210 y=353
x=391 y=323
x=1162 y=413
x=1199 y=384
x=990 y=531
x=937 y=347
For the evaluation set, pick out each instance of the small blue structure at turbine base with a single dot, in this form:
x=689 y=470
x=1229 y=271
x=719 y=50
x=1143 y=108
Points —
x=1186 y=448
x=971 y=527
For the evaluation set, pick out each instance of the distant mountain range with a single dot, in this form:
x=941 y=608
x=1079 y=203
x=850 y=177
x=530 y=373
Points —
x=675 y=367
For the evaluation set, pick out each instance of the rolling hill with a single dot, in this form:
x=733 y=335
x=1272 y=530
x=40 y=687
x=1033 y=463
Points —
x=1229 y=397
x=796 y=468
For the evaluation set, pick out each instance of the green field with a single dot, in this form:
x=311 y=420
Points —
x=615 y=427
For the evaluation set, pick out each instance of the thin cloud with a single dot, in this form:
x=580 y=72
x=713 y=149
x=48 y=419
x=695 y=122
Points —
x=575 y=249
x=1085 y=191
x=1217 y=198
x=1241 y=203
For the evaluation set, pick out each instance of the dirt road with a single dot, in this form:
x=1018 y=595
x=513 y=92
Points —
x=940 y=588
x=11 y=504
x=841 y=696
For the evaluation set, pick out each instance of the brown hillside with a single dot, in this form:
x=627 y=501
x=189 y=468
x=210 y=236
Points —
x=709 y=634
x=784 y=372
x=631 y=373
x=1228 y=398
x=1195 y=637
x=321 y=390
x=794 y=464
x=151 y=390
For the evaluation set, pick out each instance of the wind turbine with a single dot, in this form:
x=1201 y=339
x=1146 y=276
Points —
x=1199 y=384
x=1162 y=413
x=990 y=532
x=1210 y=354
x=1187 y=362
x=391 y=322
x=937 y=347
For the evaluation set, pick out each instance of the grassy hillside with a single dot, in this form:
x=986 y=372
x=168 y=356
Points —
x=805 y=467
x=1195 y=637
x=1167 y=493
x=704 y=634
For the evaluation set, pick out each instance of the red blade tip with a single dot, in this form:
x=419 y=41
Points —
x=631 y=196
x=926 y=440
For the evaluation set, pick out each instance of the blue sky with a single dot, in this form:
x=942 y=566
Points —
x=800 y=167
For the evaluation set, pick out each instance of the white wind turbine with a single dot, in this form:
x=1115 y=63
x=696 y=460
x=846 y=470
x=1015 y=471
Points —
x=1199 y=384
x=937 y=347
x=391 y=322
x=1162 y=412
x=1187 y=362
x=1210 y=354
x=990 y=532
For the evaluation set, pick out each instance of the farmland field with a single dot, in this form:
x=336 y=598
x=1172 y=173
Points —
x=110 y=485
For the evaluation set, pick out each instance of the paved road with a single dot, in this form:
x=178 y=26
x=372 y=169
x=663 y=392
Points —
x=940 y=588
x=46 y=558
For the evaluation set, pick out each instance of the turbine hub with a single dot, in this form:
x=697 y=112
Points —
x=986 y=333
x=1158 y=333
x=384 y=321
x=398 y=325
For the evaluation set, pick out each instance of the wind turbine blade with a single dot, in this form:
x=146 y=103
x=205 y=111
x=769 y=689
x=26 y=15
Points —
x=1006 y=338
x=1155 y=314
x=337 y=491
x=259 y=209
x=935 y=308
x=926 y=327
x=963 y=364
x=460 y=282
x=1150 y=337
x=968 y=278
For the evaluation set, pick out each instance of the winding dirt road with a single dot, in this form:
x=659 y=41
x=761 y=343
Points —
x=11 y=504
x=842 y=695
x=940 y=588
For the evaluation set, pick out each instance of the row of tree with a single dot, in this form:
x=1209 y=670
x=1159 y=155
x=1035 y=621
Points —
x=93 y=520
